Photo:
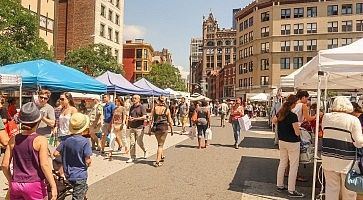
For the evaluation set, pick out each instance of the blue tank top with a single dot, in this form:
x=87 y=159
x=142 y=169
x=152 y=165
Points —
x=26 y=160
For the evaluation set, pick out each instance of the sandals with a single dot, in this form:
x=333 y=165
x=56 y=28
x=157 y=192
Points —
x=158 y=164
x=162 y=158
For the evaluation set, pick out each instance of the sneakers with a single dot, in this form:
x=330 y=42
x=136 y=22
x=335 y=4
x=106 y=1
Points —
x=296 y=194
x=145 y=154
x=130 y=160
x=281 y=189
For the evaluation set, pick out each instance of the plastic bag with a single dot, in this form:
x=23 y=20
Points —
x=209 y=134
x=112 y=137
x=193 y=132
x=245 y=123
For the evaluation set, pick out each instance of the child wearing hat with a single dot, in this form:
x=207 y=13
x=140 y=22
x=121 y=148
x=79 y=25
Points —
x=76 y=152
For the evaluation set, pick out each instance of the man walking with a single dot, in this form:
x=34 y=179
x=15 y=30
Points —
x=96 y=118
x=137 y=117
x=183 y=111
x=223 y=112
x=108 y=109
x=47 y=111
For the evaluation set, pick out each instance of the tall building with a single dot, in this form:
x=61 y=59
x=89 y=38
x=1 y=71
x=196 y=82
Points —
x=274 y=38
x=219 y=49
x=234 y=21
x=44 y=10
x=162 y=57
x=137 y=59
x=195 y=58
x=84 y=22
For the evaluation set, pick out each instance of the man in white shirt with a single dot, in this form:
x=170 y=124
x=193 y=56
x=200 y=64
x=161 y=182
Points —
x=223 y=111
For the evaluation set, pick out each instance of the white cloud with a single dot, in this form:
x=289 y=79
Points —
x=133 y=31
x=183 y=72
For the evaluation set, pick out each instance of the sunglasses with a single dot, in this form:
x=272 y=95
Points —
x=45 y=98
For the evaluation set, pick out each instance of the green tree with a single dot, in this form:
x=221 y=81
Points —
x=166 y=76
x=93 y=60
x=19 y=35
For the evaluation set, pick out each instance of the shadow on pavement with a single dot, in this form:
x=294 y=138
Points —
x=185 y=146
x=223 y=145
x=253 y=142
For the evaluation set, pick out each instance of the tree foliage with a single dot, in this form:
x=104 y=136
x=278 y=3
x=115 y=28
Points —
x=19 y=35
x=166 y=76
x=93 y=60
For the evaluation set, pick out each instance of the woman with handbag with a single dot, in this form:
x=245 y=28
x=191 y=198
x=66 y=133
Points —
x=237 y=112
x=201 y=118
x=342 y=135
x=289 y=146
x=161 y=119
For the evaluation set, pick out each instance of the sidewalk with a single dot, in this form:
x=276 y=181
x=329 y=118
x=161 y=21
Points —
x=102 y=168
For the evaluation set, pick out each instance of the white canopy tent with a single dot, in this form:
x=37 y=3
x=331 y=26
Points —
x=339 y=68
x=260 y=97
x=12 y=81
x=288 y=81
x=198 y=97
x=172 y=93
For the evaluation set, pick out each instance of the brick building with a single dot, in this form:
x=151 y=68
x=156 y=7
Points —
x=84 y=22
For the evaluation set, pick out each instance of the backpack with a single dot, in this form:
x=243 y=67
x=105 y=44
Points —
x=202 y=117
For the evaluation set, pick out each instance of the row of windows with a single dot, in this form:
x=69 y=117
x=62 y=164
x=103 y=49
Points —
x=139 y=65
x=246 y=52
x=230 y=81
x=220 y=43
x=227 y=60
x=246 y=82
x=246 y=24
x=297 y=62
x=116 y=20
x=110 y=36
x=245 y=68
x=230 y=71
x=115 y=2
x=142 y=54
x=246 y=38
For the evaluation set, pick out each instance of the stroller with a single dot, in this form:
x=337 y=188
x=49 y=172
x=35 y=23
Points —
x=63 y=187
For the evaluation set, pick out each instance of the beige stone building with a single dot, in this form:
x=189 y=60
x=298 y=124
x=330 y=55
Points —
x=45 y=10
x=276 y=37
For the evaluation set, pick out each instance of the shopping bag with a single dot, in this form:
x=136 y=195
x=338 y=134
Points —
x=244 y=123
x=209 y=134
x=11 y=128
x=193 y=132
x=112 y=136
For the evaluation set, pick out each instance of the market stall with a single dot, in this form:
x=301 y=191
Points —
x=12 y=82
x=144 y=84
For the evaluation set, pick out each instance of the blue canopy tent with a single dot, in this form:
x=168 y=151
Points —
x=116 y=83
x=53 y=76
x=143 y=83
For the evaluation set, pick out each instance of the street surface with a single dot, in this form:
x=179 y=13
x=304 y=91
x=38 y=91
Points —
x=218 y=172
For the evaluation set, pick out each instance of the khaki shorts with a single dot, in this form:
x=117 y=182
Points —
x=184 y=119
x=95 y=129
x=106 y=128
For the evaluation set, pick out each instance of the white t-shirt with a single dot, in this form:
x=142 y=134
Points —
x=298 y=111
x=224 y=108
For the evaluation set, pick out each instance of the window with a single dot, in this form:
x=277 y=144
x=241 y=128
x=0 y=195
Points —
x=265 y=16
x=285 y=13
x=240 y=83
x=332 y=27
x=264 y=80
x=240 y=69
x=245 y=24
x=146 y=54
x=117 y=39
x=250 y=22
x=298 y=28
x=250 y=81
x=347 y=9
x=311 y=45
x=117 y=3
x=265 y=31
x=264 y=64
x=219 y=51
x=241 y=26
x=359 y=25
x=265 y=47
x=228 y=43
x=219 y=43
x=298 y=12
x=250 y=36
x=146 y=66
x=298 y=45
x=227 y=59
x=138 y=65
x=333 y=43
x=311 y=28
x=347 y=26
x=116 y=54
x=285 y=63
x=346 y=41
x=245 y=38
x=138 y=53
x=227 y=50
x=312 y=12
x=359 y=8
x=110 y=13
x=103 y=11
x=109 y=33
x=117 y=19
x=240 y=41
x=298 y=62
x=102 y=30
x=332 y=10
x=245 y=69
x=285 y=46
x=250 y=66
x=286 y=29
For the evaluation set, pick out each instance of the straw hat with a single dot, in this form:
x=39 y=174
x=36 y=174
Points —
x=78 y=123
x=29 y=113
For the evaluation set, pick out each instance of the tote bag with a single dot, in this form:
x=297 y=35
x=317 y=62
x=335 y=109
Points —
x=244 y=123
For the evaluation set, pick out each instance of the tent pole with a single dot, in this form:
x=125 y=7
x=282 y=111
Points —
x=21 y=94
x=316 y=131
x=326 y=95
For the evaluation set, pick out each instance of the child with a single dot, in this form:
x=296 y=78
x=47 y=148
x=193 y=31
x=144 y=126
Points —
x=76 y=152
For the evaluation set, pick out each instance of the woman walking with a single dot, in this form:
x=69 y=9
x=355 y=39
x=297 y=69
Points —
x=202 y=121
x=237 y=112
x=28 y=152
x=340 y=130
x=118 y=125
x=161 y=118
x=68 y=109
x=289 y=145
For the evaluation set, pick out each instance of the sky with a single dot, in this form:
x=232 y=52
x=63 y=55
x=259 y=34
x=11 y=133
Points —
x=171 y=24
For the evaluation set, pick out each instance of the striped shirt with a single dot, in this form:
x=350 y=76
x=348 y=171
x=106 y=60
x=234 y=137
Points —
x=342 y=133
